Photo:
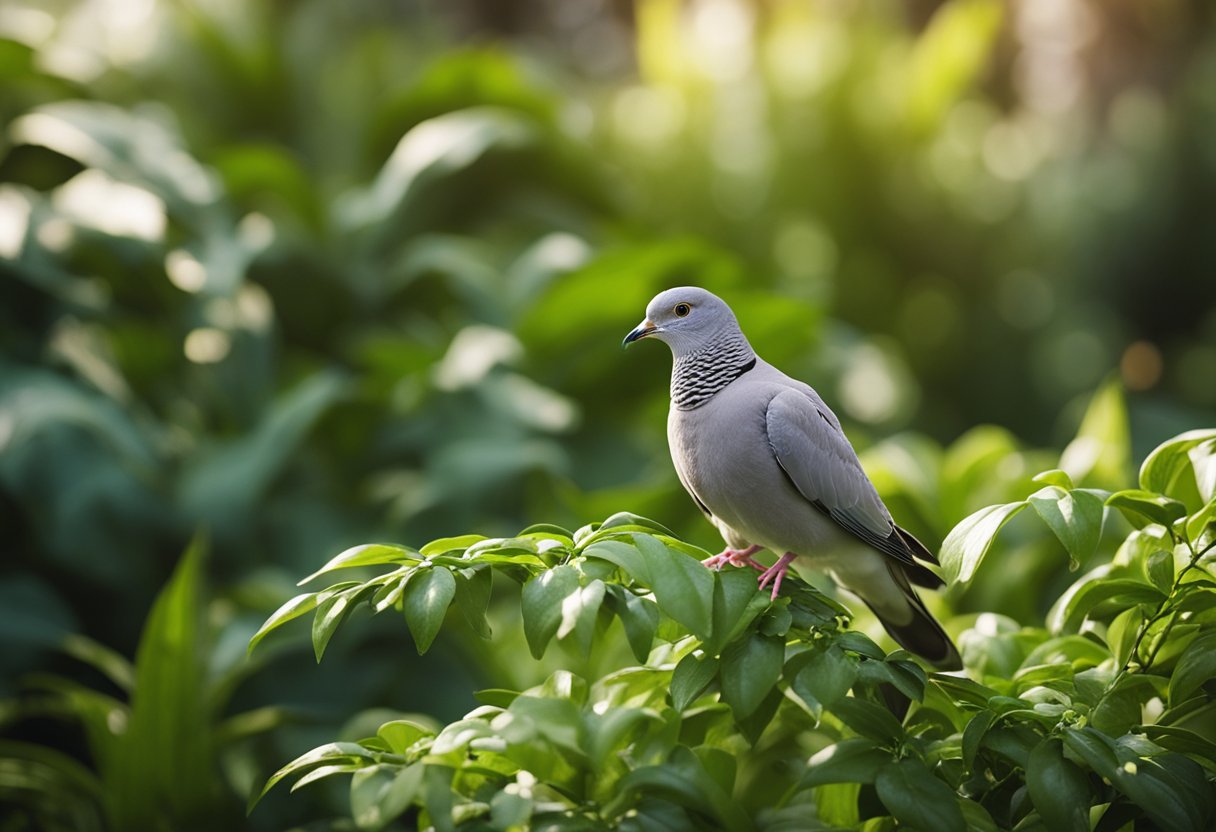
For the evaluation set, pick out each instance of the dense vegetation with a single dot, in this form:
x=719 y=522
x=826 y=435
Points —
x=277 y=279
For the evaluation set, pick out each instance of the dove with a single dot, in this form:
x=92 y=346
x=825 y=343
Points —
x=766 y=460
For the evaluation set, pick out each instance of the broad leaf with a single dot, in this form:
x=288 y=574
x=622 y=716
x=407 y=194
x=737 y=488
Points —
x=426 y=599
x=750 y=670
x=682 y=586
x=964 y=548
x=1058 y=788
x=1075 y=517
x=855 y=760
x=916 y=798
x=541 y=604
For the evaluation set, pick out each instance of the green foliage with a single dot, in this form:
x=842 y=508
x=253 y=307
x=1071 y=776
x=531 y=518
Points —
x=156 y=752
x=746 y=713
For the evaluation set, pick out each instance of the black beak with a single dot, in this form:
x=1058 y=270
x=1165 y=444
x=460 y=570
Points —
x=640 y=331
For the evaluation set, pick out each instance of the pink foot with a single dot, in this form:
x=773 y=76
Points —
x=776 y=573
x=734 y=557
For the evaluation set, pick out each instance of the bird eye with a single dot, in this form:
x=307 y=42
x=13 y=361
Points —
x=682 y=309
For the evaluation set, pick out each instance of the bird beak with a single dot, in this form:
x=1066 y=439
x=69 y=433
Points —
x=640 y=331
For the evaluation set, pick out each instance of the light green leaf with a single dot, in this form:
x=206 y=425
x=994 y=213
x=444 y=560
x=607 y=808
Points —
x=426 y=599
x=366 y=555
x=1101 y=451
x=1075 y=517
x=330 y=613
x=1168 y=460
x=1054 y=477
x=1138 y=506
x=968 y=542
x=1196 y=666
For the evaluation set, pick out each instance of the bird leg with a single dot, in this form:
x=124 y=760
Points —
x=776 y=573
x=734 y=557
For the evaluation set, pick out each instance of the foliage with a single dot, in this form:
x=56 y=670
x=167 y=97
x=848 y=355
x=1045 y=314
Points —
x=156 y=749
x=748 y=713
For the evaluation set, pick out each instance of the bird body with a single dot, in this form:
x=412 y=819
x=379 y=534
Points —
x=767 y=461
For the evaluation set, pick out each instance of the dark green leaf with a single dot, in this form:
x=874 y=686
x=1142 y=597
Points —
x=692 y=675
x=639 y=617
x=624 y=555
x=973 y=735
x=848 y=761
x=825 y=678
x=861 y=644
x=330 y=613
x=915 y=797
x=426 y=600
x=541 y=605
x=737 y=602
x=750 y=669
x=473 y=587
x=437 y=796
x=868 y=719
x=1058 y=788
x=964 y=548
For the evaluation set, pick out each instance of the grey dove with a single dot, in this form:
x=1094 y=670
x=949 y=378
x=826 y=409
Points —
x=766 y=460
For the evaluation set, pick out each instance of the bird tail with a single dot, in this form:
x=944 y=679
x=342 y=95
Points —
x=922 y=635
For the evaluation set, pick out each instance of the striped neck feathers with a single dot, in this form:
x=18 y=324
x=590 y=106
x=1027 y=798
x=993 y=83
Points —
x=698 y=375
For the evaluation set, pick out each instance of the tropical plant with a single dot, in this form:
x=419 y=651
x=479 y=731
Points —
x=742 y=712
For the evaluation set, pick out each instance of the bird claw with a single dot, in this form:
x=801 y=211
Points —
x=776 y=573
x=734 y=557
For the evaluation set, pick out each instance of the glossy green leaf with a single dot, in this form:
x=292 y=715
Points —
x=915 y=797
x=868 y=719
x=370 y=554
x=639 y=618
x=330 y=613
x=426 y=600
x=541 y=605
x=1058 y=788
x=1075 y=517
x=296 y=607
x=736 y=603
x=1093 y=589
x=750 y=670
x=1140 y=507
x=1171 y=458
x=964 y=548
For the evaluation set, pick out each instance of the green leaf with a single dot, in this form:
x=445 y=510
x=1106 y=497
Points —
x=379 y=794
x=868 y=719
x=1058 y=788
x=333 y=752
x=692 y=675
x=366 y=555
x=825 y=679
x=1075 y=517
x=541 y=603
x=915 y=797
x=737 y=602
x=969 y=541
x=1054 y=477
x=579 y=612
x=450 y=544
x=973 y=735
x=1198 y=522
x=854 y=760
x=330 y=613
x=426 y=599
x=1137 y=506
x=400 y=734
x=297 y=606
x=1160 y=569
x=437 y=796
x=682 y=586
x=623 y=555
x=1092 y=589
x=473 y=588
x=1168 y=460
x=1101 y=451
x=750 y=670
x=639 y=618
x=1196 y=666
x=1121 y=634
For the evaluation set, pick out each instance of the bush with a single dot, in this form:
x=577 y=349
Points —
x=745 y=713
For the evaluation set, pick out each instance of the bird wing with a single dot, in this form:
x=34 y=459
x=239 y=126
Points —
x=817 y=458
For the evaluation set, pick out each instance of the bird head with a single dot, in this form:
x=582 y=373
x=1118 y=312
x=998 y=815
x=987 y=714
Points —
x=686 y=318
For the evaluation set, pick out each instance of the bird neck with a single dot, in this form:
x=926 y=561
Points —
x=697 y=375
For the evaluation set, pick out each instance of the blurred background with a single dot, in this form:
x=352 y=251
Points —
x=309 y=274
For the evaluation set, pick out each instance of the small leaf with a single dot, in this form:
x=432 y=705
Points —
x=750 y=670
x=541 y=604
x=400 y=734
x=1054 y=477
x=473 y=598
x=1094 y=588
x=297 y=606
x=1058 y=788
x=1196 y=666
x=368 y=554
x=692 y=675
x=1169 y=459
x=450 y=544
x=1121 y=634
x=916 y=798
x=426 y=599
x=1075 y=517
x=736 y=603
x=868 y=719
x=973 y=735
x=854 y=760
x=1160 y=568
x=639 y=617
x=969 y=541
x=330 y=613
x=1138 y=506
